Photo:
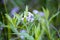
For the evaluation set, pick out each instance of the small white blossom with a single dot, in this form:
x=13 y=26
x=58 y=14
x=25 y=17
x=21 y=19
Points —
x=30 y=17
x=30 y=14
x=22 y=19
x=15 y=9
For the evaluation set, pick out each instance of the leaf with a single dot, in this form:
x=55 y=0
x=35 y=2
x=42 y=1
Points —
x=46 y=11
x=9 y=18
x=53 y=16
x=26 y=11
x=37 y=32
x=19 y=18
x=10 y=24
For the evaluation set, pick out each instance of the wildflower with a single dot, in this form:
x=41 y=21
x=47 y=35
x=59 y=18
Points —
x=41 y=13
x=14 y=10
x=1 y=28
x=30 y=17
x=35 y=11
x=22 y=19
x=22 y=37
x=23 y=31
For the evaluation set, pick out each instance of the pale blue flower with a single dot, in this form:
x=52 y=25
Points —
x=29 y=17
x=1 y=28
x=13 y=11
x=22 y=19
x=41 y=13
x=35 y=11
x=23 y=31
x=22 y=37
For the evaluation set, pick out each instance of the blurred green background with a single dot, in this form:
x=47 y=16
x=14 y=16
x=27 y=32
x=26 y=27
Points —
x=52 y=5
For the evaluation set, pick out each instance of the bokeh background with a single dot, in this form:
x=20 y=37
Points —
x=53 y=6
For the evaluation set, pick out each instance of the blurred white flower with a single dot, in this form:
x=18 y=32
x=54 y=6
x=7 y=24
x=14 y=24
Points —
x=35 y=11
x=14 y=10
x=22 y=19
x=30 y=17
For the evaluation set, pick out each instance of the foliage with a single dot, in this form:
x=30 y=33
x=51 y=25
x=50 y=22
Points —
x=39 y=29
x=33 y=25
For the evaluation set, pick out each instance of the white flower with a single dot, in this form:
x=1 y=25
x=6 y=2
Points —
x=30 y=17
x=35 y=11
x=22 y=19
x=30 y=14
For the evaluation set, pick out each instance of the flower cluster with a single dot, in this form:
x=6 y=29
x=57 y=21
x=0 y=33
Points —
x=29 y=17
x=37 y=12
